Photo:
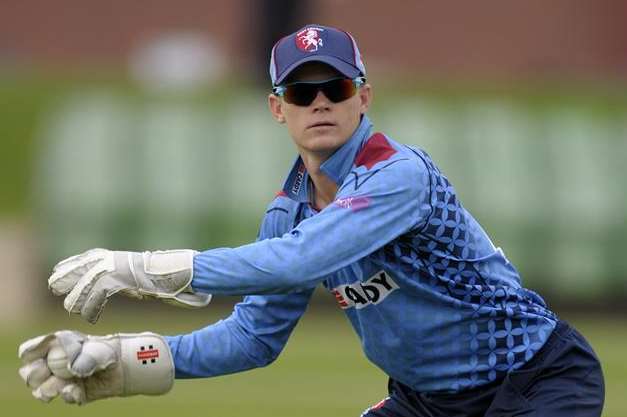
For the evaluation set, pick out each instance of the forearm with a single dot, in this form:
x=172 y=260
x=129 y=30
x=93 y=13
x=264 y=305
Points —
x=252 y=337
x=216 y=350
x=266 y=267
x=316 y=248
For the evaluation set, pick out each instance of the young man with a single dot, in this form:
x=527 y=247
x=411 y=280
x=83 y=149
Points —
x=436 y=305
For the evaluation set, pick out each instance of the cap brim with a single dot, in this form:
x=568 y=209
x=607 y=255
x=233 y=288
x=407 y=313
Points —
x=345 y=69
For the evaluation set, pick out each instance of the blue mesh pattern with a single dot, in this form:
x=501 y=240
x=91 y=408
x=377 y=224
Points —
x=486 y=324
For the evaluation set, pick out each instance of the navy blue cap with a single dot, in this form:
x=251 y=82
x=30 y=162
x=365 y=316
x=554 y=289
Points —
x=334 y=47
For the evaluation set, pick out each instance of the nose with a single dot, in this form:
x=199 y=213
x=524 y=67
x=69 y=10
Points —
x=321 y=102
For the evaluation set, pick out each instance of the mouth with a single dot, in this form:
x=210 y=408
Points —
x=321 y=124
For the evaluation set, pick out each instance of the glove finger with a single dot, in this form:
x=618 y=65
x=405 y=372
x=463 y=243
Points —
x=98 y=297
x=95 y=356
x=94 y=304
x=89 y=253
x=35 y=373
x=49 y=389
x=71 y=341
x=35 y=348
x=74 y=394
x=62 y=282
x=75 y=300
x=67 y=273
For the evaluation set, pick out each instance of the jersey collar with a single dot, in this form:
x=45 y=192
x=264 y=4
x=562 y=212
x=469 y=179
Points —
x=336 y=167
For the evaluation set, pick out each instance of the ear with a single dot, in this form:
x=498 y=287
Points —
x=275 y=104
x=365 y=97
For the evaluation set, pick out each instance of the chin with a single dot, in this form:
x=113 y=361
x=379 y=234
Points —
x=323 y=143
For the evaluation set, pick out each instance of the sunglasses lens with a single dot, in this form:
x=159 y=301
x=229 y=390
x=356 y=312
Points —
x=339 y=90
x=303 y=94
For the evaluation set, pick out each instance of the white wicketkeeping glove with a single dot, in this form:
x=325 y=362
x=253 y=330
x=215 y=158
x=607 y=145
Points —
x=82 y=368
x=90 y=278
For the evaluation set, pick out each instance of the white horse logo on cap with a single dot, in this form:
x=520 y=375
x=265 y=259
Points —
x=309 y=39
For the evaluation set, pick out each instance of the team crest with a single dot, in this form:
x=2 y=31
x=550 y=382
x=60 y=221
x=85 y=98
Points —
x=309 y=39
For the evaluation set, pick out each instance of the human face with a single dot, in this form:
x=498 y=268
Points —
x=322 y=126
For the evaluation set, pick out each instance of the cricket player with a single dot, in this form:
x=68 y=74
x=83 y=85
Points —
x=436 y=305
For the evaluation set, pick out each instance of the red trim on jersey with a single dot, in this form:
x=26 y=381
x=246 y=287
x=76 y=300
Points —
x=280 y=194
x=380 y=404
x=376 y=149
x=340 y=299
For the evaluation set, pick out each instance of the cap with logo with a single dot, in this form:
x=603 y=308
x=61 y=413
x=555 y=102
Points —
x=334 y=47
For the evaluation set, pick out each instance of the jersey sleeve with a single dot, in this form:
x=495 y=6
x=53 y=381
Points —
x=251 y=337
x=372 y=207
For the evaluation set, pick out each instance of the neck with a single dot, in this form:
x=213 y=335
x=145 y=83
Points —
x=324 y=188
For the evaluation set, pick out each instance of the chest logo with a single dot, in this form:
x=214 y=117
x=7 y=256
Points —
x=361 y=294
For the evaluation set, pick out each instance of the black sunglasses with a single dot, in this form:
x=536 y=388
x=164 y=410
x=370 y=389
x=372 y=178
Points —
x=303 y=93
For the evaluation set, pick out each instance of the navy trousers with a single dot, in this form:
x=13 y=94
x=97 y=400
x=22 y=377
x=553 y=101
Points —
x=564 y=379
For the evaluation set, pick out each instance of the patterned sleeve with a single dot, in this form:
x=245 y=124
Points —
x=254 y=334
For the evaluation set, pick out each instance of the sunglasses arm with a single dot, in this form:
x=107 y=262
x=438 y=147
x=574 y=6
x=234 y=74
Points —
x=278 y=90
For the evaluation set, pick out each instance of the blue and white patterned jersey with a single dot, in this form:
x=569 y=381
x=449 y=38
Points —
x=436 y=305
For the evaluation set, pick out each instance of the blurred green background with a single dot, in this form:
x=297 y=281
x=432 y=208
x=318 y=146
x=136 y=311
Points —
x=132 y=130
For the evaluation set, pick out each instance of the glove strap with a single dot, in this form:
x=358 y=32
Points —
x=164 y=274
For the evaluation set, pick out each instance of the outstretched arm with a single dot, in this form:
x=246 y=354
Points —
x=81 y=368
x=252 y=337
x=371 y=209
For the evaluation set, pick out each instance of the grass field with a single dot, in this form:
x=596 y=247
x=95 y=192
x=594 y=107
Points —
x=322 y=371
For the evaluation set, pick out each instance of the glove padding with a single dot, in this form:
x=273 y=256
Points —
x=95 y=367
x=89 y=279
